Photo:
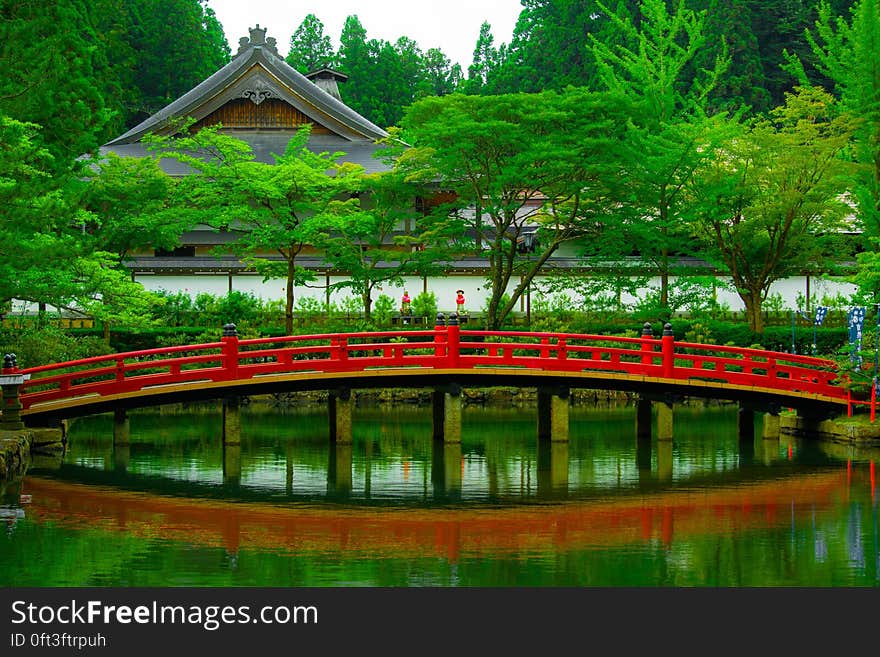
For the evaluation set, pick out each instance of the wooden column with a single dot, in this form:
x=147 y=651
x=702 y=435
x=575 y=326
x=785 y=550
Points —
x=121 y=427
x=340 y=407
x=643 y=418
x=447 y=413
x=665 y=413
x=553 y=412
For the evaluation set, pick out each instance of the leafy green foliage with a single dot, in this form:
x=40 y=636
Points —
x=274 y=208
x=496 y=154
x=310 y=49
x=775 y=196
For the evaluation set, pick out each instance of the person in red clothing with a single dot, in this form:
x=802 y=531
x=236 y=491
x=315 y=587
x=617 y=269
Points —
x=459 y=302
x=405 y=303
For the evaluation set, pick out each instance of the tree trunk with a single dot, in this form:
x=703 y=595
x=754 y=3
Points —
x=368 y=302
x=288 y=303
x=753 y=301
x=664 y=279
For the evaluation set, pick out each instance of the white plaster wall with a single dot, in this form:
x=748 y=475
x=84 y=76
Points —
x=475 y=289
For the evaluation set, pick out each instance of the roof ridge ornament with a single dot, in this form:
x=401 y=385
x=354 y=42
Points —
x=257 y=39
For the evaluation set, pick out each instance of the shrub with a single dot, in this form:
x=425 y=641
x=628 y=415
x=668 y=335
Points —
x=383 y=308
x=425 y=305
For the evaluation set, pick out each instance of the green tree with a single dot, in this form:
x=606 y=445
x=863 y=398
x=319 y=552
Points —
x=441 y=76
x=773 y=200
x=517 y=163
x=365 y=239
x=52 y=63
x=131 y=206
x=178 y=43
x=848 y=52
x=46 y=257
x=485 y=61
x=670 y=134
x=729 y=31
x=310 y=49
x=270 y=207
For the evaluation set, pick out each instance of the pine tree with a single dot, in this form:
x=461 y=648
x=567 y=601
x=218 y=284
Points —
x=310 y=48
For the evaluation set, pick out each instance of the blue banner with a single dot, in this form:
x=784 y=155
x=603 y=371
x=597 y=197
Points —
x=855 y=319
x=821 y=311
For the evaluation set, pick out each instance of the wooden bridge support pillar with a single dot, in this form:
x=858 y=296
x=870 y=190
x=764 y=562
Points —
x=771 y=426
x=231 y=421
x=665 y=415
x=232 y=464
x=446 y=466
x=340 y=407
x=121 y=427
x=339 y=470
x=552 y=468
x=447 y=413
x=553 y=411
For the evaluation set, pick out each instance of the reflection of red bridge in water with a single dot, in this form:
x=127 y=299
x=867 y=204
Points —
x=451 y=533
x=445 y=358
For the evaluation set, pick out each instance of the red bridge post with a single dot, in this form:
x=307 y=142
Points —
x=439 y=335
x=668 y=350
x=230 y=351
x=647 y=347
x=453 y=339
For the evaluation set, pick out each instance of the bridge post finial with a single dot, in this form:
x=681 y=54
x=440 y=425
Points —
x=667 y=329
x=453 y=319
x=441 y=319
x=230 y=351
x=647 y=344
x=10 y=363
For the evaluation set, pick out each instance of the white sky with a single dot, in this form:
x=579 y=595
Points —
x=451 y=25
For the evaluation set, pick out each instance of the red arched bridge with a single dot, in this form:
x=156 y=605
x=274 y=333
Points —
x=445 y=358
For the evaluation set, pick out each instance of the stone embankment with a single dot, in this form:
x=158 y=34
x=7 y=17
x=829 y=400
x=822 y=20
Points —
x=478 y=396
x=16 y=447
x=857 y=431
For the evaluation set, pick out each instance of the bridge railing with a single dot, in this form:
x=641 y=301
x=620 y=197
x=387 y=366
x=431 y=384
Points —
x=444 y=347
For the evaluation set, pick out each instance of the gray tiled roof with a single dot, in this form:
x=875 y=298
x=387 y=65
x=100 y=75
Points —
x=266 y=142
x=258 y=68
x=262 y=62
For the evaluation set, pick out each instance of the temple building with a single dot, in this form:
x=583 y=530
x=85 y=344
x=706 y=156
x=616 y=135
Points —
x=258 y=98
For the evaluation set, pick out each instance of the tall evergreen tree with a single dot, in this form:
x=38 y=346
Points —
x=670 y=134
x=485 y=61
x=310 y=48
x=729 y=28
x=848 y=52
x=52 y=63
x=441 y=76
x=179 y=43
